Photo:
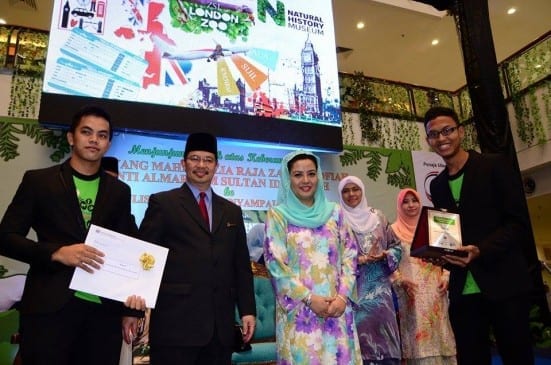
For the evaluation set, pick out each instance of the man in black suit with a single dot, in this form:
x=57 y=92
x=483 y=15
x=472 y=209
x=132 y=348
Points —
x=208 y=271
x=58 y=325
x=489 y=287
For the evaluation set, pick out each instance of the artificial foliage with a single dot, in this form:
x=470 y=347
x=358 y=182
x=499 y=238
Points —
x=405 y=135
x=397 y=169
x=31 y=53
x=25 y=96
x=359 y=93
x=12 y=128
x=527 y=74
x=5 y=33
x=466 y=107
x=9 y=140
x=470 y=139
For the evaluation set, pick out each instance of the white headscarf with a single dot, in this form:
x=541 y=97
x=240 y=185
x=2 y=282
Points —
x=362 y=218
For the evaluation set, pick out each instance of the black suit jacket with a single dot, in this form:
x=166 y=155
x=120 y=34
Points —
x=491 y=218
x=47 y=202
x=207 y=272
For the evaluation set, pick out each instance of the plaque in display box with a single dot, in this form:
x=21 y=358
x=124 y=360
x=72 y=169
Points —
x=438 y=233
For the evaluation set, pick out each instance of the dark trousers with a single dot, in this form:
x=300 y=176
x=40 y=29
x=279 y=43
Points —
x=472 y=316
x=213 y=353
x=82 y=333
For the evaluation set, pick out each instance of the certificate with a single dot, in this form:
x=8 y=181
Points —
x=131 y=267
x=438 y=233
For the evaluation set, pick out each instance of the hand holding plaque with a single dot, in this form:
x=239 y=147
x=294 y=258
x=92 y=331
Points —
x=438 y=233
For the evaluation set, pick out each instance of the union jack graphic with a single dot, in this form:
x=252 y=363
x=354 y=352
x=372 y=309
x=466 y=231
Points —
x=172 y=73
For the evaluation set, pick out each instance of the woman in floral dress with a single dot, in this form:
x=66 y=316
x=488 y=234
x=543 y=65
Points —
x=421 y=287
x=378 y=256
x=312 y=260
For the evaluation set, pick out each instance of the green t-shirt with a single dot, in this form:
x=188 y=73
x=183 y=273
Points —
x=455 y=182
x=87 y=189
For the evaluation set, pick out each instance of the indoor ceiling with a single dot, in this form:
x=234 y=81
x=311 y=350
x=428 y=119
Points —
x=395 y=43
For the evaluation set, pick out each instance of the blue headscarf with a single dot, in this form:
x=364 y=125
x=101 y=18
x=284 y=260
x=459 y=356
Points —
x=294 y=211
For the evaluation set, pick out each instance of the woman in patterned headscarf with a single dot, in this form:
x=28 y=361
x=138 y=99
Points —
x=421 y=288
x=379 y=252
x=312 y=260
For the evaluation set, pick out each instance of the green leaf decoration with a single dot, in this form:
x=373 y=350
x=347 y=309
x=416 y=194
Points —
x=10 y=127
x=351 y=157
x=401 y=178
x=8 y=141
x=397 y=160
x=373 y=165
x=46 y=137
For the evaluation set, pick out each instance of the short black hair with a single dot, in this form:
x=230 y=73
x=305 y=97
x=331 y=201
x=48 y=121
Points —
x=302 y=156
x=91 y=110
x=440 y=111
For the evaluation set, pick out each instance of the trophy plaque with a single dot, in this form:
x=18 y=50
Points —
x=438 y=233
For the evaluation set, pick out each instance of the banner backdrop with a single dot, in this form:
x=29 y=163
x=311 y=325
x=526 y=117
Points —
x=249 y=175
x=427 y=166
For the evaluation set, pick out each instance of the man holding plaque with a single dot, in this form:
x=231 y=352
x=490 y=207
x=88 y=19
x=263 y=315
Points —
x=489 y=287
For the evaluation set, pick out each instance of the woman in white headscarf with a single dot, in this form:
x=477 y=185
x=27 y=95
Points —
x=379 y=253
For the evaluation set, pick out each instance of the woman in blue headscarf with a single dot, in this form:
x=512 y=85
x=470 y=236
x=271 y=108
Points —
x=311 y=257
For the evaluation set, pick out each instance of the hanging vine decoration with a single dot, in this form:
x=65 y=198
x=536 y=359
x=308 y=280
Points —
x=528 y=115
x=546 y=97
x=360 y=94
x=470 y=139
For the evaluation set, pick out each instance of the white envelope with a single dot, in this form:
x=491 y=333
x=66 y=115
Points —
x=122 y=273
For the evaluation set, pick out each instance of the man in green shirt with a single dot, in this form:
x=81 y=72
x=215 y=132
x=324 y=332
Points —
x=58 y=325
x=489 y=287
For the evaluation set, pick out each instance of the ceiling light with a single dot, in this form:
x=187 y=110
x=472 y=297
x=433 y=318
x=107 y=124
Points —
x=360 y=25
x=2 y=21
x=435 y=42
x=511 y=11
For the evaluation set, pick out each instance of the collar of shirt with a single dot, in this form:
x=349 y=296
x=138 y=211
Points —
x=208 y=199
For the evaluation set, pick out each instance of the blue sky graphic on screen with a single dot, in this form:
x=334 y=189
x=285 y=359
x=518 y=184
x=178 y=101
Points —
x=261 y=70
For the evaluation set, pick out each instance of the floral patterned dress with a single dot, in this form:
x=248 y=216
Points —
x=321 y=261
x=427 y=336
x=374 y=310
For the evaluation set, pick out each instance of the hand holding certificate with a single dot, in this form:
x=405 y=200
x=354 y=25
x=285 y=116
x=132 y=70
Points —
x=131 y=267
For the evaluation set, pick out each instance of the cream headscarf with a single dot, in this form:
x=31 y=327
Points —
x=404 y=227
x=362 y=218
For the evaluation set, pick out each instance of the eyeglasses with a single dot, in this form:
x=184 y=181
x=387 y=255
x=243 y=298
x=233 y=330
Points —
x=197 y=159
x=446 y=131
